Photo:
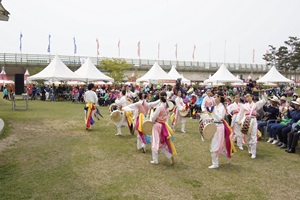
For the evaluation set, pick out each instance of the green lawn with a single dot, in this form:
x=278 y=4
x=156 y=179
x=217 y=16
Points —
x=46 y=153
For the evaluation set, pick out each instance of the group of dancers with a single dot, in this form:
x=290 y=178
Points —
x=134 y=115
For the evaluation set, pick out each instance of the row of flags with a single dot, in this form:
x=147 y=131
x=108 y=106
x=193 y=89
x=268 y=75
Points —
x=119 y=48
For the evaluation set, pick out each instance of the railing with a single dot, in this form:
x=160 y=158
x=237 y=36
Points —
x=16 y=58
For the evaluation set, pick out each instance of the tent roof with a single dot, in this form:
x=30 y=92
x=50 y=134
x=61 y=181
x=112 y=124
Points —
x=185 y=80
x=155 y=73
x=174 y=73
x=55 y=71
x=274 y=76
x=3 y=13
x=4 y=79
x=223 y=75
x=89 y=72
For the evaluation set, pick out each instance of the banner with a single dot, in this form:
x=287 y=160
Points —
x=97 y=41
x=139 y=49
x=176 y=51
x=75 y=46
x=21 y=41
x=193 y=56
x=49 y=37
x=158 y=49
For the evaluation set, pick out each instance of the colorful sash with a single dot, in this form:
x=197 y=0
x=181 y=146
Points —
x=228 y=139
x=128 y=115
x=89 y=107
x=139 y=126
x=167 y=137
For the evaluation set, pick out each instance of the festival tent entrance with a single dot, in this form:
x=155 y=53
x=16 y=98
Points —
x=89 y=72
x=4 y=79
x=156 y=75
x=273 y=76
x=223 y=75
x=55 y=71
x=174 y=73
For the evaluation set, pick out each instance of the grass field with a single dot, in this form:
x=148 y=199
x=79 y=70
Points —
x=46 y=153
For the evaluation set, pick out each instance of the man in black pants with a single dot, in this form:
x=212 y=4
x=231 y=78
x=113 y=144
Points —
x=293 y=141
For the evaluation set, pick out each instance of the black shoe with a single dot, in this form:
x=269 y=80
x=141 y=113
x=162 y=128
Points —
x=292 y=150
x=287 y=150
x=279 y=144
x=283 y=146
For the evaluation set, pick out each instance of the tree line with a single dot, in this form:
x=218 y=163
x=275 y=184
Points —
x=286 y=57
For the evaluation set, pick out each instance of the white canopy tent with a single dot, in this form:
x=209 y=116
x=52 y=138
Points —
x=223 y=75
x=156 y=75
x=89 y=72
x=185 y=80
x=4 y=79
x=273 y=76
x=174 y=73
x=4 y=14
x=55 y=71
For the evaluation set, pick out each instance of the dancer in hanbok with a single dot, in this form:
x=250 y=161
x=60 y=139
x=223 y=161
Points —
x=233 y=109
x=247 y=116
x=176 y=117
x=162 y=133
x=208 y=101
x=222 y=134
x=91 y=111
x=141 y=109
x=127 y=116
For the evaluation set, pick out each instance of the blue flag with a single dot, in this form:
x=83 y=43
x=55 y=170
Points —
x=21 y=41
x=75 y=46
x=48 y=50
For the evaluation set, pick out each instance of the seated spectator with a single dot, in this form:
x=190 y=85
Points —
x=283 y=131
x=293 y=141
x=272 y=112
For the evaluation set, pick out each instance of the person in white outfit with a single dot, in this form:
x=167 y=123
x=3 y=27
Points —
x=140 y=110
x=179 y=106
x=217 y=113
x=249 y=110
x=233 y=109
x=161 y=132
x=126 y=119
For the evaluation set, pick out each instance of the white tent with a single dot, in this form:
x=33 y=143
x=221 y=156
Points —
x=4 y=79
x=185 y=80
x=223 y=75
x=55 y=71
x=156 y=74
x=274 y=76
x=89 y=72
x=174 y=73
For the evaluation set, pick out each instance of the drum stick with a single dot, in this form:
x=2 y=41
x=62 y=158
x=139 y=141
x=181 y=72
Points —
x=202 y=138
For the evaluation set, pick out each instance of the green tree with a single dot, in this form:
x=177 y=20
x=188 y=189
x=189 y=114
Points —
x=115 y=67
x=282 y=58
x=287 y=57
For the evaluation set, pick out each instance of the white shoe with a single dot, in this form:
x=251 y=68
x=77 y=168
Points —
x=213 y=167
x=228 y=160
x=241 y=148
x=270 y=140
x=182 y=131
x=153 y=162
x=118 y=134
x=249 y=150
x=253 y=156
x=275 y=142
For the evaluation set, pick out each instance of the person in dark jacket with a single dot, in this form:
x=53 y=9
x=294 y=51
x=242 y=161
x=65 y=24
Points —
x=272 y=112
